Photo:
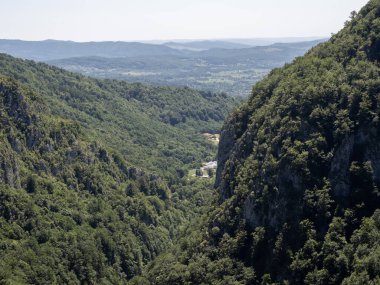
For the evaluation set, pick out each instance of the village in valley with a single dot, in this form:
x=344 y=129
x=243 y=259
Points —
x=208 y=169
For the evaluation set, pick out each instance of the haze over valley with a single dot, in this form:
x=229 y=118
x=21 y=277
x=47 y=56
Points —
x=219 y=66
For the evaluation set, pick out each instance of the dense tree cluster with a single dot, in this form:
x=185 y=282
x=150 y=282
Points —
x=298 y=175
x=72 y=211
x=156 y=128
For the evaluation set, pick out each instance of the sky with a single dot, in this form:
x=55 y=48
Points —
x=134 y=20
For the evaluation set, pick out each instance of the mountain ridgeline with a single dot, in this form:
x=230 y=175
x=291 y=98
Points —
x=298 y=175
x=52 y=49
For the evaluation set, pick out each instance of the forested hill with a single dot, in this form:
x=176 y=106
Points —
x=156 y=128
x=72 y=212
x=94 y=177
x=298 y=175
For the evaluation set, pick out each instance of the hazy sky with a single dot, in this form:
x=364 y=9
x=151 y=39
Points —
x=85 y=20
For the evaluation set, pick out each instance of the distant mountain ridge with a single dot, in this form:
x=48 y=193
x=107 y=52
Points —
x=52 y=49
x=276 y=51
x=55 y=49
x=218 y=69
x=205 y=45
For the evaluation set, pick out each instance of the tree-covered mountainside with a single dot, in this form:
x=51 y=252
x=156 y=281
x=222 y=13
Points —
x=93 y=173
x=94 y=183
x=73 y=211
x=70 y=211
x=156 y=128
x=298 y=175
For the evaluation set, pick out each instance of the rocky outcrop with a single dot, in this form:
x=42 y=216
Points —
x=229 y=145
x=9 y=169
x=363 y=146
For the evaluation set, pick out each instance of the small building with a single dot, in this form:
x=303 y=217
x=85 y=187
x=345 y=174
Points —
x=207 y=168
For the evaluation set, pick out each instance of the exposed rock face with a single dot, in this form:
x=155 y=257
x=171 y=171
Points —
x=286 y=202
x=361 y=146
x=339 y=172
x=9 y=170
x=23 y=129
x=226 y=145
x=12 y=113
x=229 y=145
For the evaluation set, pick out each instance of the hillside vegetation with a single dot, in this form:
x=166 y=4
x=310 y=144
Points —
x=156 y=128
x=298 y=175
x=93 y=173
x=95 y=185
x=70 y=211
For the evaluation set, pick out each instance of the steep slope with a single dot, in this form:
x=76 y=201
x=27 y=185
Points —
x=156 y=128
x=298 y=175
x=71 y=211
